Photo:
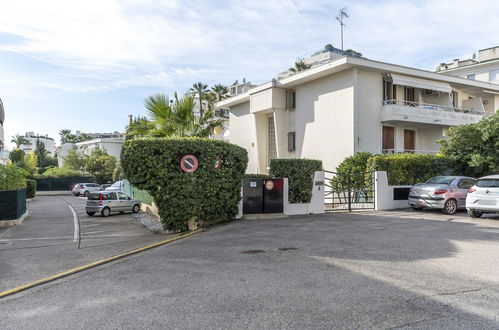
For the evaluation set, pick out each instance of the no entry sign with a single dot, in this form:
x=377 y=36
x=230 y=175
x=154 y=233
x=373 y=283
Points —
x=189 y=163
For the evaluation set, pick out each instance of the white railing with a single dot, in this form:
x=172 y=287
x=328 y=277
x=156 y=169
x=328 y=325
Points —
x=407 y=151
x=431 y=107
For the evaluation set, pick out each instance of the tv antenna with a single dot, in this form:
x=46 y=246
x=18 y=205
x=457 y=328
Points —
x=340 y=18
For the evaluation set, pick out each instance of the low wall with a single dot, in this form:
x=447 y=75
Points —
x=316 y=205
x=12 y=205
x=389 y=197
x=61 y=184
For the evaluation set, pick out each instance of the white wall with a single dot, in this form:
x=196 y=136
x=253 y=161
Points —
x=383 y=199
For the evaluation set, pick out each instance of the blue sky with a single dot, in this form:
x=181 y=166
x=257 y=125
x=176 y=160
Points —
x=86 y=65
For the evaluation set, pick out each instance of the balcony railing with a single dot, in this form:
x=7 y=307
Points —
x=428 y=106
x=408 y=151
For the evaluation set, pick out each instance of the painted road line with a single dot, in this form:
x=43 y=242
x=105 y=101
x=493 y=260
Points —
x=75 y=221
x=91 y=265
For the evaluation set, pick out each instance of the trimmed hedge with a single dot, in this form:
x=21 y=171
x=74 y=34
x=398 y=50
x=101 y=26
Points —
x=256 y=176
x=409 y=169
x=300 y=173
x=207 y=195
x=30 y=188
x=12 y=177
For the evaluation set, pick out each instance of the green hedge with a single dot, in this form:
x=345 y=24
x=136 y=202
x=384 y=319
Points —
x=256 y=176
x=208 y=194
x=300 y=173
x=409 y=169
x=11 y=177
x=30 y=188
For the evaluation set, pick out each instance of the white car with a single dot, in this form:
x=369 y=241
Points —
x=483 y=197
x=85 y=188
x=117 y=186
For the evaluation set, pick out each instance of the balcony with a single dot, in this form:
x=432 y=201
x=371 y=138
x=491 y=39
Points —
x=434 y=114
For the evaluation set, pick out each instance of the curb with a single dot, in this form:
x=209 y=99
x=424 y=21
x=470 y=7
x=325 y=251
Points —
x=14 y=222
x=91 y=265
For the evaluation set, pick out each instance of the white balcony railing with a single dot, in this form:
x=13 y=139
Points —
x=429 y=106
x=408 y=151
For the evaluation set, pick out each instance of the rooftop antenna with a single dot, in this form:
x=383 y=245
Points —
x=340 y=17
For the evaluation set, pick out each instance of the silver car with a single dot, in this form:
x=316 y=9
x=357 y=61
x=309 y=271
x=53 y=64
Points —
x=85 y=188
x=105 y=202
x=447 y=193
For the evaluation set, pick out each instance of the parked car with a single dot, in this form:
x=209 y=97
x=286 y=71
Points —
x=117 y=186
x=85 y=188
x=483 y=197
x=104 y=186
x=106 y=202
x=447 y=193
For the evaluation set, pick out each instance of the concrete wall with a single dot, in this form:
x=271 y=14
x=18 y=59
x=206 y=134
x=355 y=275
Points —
x=243 y=133
x=316 y=205
x=383 y=194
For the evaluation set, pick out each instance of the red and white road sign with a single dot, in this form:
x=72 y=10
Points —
x=189 y=163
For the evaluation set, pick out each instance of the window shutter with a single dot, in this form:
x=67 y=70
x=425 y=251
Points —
x=291 y=141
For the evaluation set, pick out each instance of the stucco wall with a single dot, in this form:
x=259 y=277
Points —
x=324 y=119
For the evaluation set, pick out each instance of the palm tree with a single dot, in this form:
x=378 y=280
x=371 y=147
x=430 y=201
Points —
x=65 y=135
x=220 y=91
x=174 y=118
x=18 y=140
x=200 y=90
x=300 y=66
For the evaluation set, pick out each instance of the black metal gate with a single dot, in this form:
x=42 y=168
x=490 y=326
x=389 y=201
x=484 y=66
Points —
x=352 y=191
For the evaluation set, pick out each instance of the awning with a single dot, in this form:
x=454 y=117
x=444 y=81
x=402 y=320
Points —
x=421 y=83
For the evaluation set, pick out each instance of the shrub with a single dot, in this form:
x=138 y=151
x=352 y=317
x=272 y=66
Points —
x=59 y=172
x=207 y=195
x=17 y=155
x=352 y=168
x=300 y=173
x=408 y=169
x=255 y=176
x=30 y=188
x=11 y=177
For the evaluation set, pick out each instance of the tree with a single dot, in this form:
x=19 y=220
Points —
x=18 y=140
x=66 y=135
x=220 y=91
x=16 y=155
x=40 y=153
x=101 y=165
x=30 y=162
x=175 y=118
x=474 y=147
x=300 y=66
x=75 y=160
x=200 y=90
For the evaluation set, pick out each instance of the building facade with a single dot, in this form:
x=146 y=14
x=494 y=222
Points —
x=351 y=104
x=32 y=137
x=485 y=67
x=112 y=145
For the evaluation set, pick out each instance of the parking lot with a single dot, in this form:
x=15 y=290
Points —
x=381 y=270
x=44 y=243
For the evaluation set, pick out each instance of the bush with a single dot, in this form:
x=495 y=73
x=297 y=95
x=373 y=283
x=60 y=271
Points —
x=59 y=172
x=352 y=168
x=11 y=177
x=17 y=155
x=300 y=173
x=256 y=176
x=207 y=195
x=409 y=169
x=30 y=188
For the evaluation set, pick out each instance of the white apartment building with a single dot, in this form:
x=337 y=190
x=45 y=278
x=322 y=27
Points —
x=32 y=137
x=351 y=104
x=112 y=145
x=2 y=134
x=485 y=67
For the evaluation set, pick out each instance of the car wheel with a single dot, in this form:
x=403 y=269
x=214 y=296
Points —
x=474 y=214
x=450 y=206
x=77 y=194
x=86 y=193
x=417 y=208
x=136 y=208
x=105 y=212
x=91 y=213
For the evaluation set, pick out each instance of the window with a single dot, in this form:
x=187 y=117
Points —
x=455 y=99
x=410 y=95
x=291 y=141
x=389 y=90
x=494 y=75
x=488 y=183
x=290 y=99
x=122 y=195
x=388 y=143
x=271 y=141
x=471 y=76
x=111 y=196
x=466 y=183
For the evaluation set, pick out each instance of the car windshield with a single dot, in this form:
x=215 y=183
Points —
x=488 y=183
x=116 y=184
x=441 y=180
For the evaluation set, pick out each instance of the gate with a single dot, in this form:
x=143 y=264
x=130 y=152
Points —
x=351 y=191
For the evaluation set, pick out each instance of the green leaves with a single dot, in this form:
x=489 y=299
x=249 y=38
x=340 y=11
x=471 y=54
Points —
x=208 y=194
x=300 y=173
x=11 y=177
x=474 y=148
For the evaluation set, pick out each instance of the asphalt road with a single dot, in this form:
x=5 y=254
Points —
x=353 y=271
x=44 y=243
